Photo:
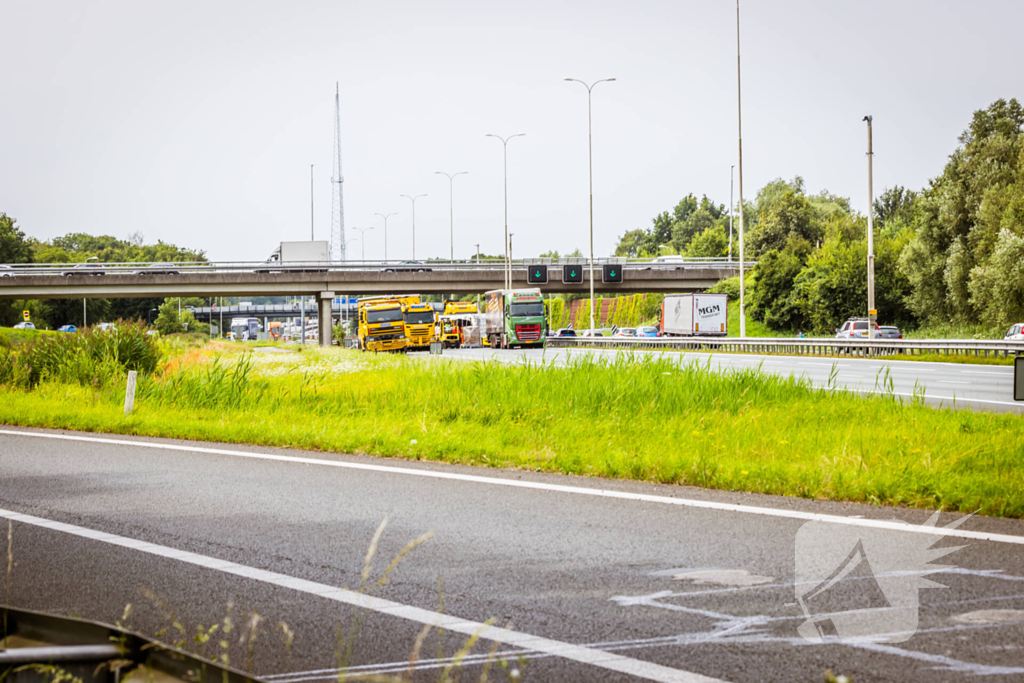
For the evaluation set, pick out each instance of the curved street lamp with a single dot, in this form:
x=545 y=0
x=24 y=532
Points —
x=362 y=231
x=504 y=144
x=386 y=217
x=451 y=210
x=413 y=200
x=590 y=154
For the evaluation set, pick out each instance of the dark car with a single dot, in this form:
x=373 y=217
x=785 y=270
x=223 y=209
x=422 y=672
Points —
x=889 y=332
x=87 y=268
x=407 y=267
x=158 y=269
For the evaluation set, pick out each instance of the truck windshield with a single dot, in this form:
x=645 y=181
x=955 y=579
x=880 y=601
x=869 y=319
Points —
x=391 y=315
x=419 y=318
x=532 y=309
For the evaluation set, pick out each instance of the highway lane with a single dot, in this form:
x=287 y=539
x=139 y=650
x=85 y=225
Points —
x=593 y=579
x=981 y=387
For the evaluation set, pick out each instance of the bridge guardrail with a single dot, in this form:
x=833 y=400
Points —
x=803 y=346
x=196 y=267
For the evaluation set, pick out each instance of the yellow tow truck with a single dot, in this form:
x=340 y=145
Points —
x=419 y=319
x=449 y=328
x=381 y=324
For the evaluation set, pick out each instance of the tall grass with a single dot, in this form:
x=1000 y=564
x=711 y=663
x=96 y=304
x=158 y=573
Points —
x=632 y=416
x=91 y=357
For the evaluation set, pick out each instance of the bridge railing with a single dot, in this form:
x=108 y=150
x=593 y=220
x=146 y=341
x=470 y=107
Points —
x=983 y=348
x=211 y=267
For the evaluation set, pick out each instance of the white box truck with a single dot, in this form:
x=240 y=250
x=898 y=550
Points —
x=690 y=315
x=312 y=252
x=302 y=252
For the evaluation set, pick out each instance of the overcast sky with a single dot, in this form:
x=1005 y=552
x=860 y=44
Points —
x=196 y=122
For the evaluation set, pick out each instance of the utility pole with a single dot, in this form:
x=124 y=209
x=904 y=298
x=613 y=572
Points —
x=739 y=110
x=413 y=200
x=872 y=312
x=311 y=202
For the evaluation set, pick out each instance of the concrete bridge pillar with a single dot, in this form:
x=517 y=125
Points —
x=325 y=316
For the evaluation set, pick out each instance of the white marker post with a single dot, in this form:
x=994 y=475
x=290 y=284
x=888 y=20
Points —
x=129 y=394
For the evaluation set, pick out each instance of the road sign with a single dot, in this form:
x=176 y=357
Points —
x=25 y=315
x=537 y=275
x=572 y=274
x=611 y=273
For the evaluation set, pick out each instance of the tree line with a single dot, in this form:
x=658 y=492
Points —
x=950 y=254
x=16 y=248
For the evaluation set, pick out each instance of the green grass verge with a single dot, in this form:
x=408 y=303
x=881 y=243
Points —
x=940 y=358
x=633 y=418
x=11 y=338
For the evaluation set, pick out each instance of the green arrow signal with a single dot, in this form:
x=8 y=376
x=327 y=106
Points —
x=538 y=274
x=572 y=273
x=612 y=273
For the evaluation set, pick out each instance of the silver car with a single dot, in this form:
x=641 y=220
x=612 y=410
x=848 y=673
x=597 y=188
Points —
x=855 y=328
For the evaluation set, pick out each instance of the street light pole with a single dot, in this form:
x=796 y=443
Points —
x=739 y=118
x=508 y=260
x=872 y=312
x=590 y=155
x=413 y=200
x=731 y=211
x=362 y=231
x=451 y=210
x=311 y=202
x=386 y=217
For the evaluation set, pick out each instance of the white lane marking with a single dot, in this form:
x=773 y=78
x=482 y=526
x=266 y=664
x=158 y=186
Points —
x=892 y=525
x=1007 y=374
x=952 y=381
x=576 y=653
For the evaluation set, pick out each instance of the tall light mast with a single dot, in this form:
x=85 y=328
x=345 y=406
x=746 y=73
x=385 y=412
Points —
x=338 y=241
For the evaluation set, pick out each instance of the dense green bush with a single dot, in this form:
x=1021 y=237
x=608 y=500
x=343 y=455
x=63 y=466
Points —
x=90 y=357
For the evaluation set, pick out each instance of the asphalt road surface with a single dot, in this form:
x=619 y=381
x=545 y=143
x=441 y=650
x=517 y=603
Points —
x=955 y=385
x=584 y=579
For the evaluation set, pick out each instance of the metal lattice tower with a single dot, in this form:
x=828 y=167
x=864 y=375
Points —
x=338 y=241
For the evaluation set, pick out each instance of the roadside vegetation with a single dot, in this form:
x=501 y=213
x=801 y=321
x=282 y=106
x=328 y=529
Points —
x=635 y=417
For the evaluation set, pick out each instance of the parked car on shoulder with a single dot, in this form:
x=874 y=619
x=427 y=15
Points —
x=565 y=332
x=1015 y=333
x=625 y=332
x=67 y=328
x=855 y=328
x=26 y=325
x=889 y=332
x=648 y=331
x=87 y=268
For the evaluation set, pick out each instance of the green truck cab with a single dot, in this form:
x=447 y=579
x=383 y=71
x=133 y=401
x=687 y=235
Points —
x=515 y=317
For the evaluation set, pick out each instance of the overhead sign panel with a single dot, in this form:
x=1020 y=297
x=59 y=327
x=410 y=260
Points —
x=572 y=274
x=537 y=275
x=611 y=273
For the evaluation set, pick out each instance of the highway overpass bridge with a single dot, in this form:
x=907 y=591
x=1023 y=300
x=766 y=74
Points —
x=326 y=281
